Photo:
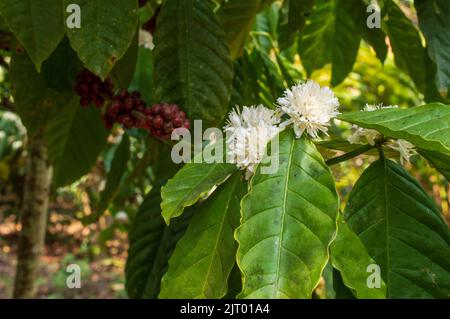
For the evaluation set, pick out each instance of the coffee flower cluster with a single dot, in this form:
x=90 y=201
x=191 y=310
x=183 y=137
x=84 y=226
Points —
x=405 y=149
x=248 y=133
x=128 y=108
x=309 y=108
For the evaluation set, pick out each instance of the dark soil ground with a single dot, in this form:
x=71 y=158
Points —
x=102 y=266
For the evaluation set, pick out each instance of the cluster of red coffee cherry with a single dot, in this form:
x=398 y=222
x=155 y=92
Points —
x=128 y=108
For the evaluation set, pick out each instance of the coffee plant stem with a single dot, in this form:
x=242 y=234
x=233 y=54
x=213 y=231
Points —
x=349 y=155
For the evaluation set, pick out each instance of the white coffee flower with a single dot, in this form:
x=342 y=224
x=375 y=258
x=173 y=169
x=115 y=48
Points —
x=405 y=148
x=146 y=39
x=310 y=107
x=370 y=135
x=248 y=133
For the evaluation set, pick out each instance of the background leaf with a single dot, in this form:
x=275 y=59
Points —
x=203 y=259
x=402 y=230
x=192 y=63
x=38 y=25
x=151 y=245
x=124 y=69
x=407 y=46
x=75 y=139
x=434 y=21
x=39 y=97
x=332 y=36
x=237 y=18
x=288 y=221
x=114 y=176
x=441 y=162
x=295 y=22
x=143 y=76
x=107 y=30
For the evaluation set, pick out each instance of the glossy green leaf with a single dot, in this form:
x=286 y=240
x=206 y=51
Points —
x=434 y=21
x=75 y=139
x=39 y=97
x=38 y=25
x=332 y=36
x=114 y=176
x=402 y=230
x=288 y=222
x=426 y=126
x=441 y=162
x=351 y=258
x=190 y=182
x=237 y=18
x=107 y=30
x=192 y=62
x=151 y=245
x=407 y=46
x=203 y=259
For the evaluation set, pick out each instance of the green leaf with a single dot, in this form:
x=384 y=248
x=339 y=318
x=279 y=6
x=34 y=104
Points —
x=203 y=259
x=75 y=138
x=332 y=36
x=377 y=40
x=143 y=75
x=114 y=177
x=407 y=46
x=124 y=69
x=288 y=222
x=38 y=25
x=402 y=230
x=441 y=162
x=426 y=126
x=189 y=184
x=192 y=63
x=351 y=258
x=39 y=97
x=340 y=289
x=234 y=283
x=295 y=22
x=107 y=30
x=151 y=245
x=237 y=18
x=434 y=21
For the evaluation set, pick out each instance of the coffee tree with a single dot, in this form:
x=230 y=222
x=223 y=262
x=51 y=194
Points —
x=225 y=224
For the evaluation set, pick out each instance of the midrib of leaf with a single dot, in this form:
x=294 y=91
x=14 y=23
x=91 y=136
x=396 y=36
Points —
x=283 y=217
